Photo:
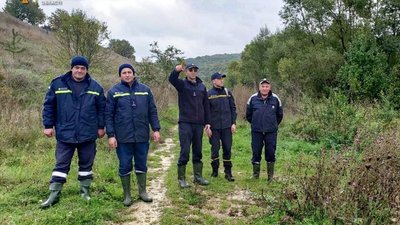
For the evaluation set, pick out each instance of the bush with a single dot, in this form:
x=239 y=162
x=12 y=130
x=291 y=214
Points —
x=347 y=188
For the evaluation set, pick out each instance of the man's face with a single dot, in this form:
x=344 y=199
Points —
x=264 y=89
x=79 y=72
x=191 y=73
x=218 y=83
x=127 y=75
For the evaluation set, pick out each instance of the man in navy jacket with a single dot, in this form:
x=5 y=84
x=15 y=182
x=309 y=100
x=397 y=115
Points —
x=129 y=111
x=74 y=105
x=223 y=124
x=264 y=112
x=194 y=114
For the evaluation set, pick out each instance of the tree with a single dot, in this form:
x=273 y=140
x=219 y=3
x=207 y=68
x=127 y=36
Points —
x=122 y=47
x=78 y=34
x=364 y=75
x=29 y=12
x=166 y=59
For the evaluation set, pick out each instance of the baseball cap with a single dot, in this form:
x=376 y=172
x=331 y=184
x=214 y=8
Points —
x=265 y=81
x=217 y=76
x=191 y=65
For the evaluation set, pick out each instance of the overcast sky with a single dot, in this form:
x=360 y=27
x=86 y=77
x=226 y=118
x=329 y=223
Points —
x=197 y=27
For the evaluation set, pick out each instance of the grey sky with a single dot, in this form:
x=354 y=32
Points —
x=197 y=27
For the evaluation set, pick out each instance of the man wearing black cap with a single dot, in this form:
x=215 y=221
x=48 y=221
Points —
x=130 y=110
x=74 y=105
x=194 y=114
x=264 y=112
x=223 y=124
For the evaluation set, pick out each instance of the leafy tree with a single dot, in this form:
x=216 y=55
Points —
x=364 y=75
x=29 y=12
x=78 y=34
x=166 y=59
x=122 y=47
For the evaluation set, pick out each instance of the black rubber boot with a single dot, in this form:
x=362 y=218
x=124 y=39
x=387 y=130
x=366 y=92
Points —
x=214 y=166
x=197 y=174
x=141 y=180
x=55 y=189
x=181 y=177
x=228 y=171
x=270 y=170
x=126 y=186
x=256 y=171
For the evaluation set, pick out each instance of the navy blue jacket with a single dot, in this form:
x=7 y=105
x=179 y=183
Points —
x=222 y=108
x=264 y=114
x=76 y=120
x=192 y=100
x=129 y=111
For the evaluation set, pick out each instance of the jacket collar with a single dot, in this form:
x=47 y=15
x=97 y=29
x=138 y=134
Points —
x=198 y=81
x=135 y=82
x=260 y=97
x=68 y=76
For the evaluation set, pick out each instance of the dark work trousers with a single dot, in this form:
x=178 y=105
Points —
x=218 y=137
x=64 y=154
x=190 y=134
x=138 y=152
x=258 y=141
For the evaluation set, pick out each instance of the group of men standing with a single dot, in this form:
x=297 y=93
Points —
x=76 y=107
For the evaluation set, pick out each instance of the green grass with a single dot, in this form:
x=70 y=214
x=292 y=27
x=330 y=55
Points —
x=25 y=169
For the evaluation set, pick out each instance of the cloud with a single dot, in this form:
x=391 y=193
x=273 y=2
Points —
x=197 y=27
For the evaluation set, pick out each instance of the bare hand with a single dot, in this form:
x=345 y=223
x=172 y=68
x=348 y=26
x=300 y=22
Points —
x=112 y=143
x=179 y=68
x=156 y=136
x=233 y=128
x=49 y=132
x=101 y=133
x=208 y=131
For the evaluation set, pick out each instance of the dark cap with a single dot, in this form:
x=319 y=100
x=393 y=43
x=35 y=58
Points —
x=125 y=65
x=265 y=81
x=79 y=61
x=217 y=76
x=191 y=65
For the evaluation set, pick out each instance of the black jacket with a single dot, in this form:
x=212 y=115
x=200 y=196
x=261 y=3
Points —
x=264 y=114
x=222 y=108
x=76 y=120
x=192 y=100
x=129 y=111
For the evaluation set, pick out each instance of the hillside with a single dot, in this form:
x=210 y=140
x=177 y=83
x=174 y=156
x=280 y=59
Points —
x=213 y=63
x=37 y=63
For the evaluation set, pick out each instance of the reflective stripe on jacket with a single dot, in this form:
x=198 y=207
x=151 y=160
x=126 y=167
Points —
x=264 y=114
x=76 y=120
x=129 y=111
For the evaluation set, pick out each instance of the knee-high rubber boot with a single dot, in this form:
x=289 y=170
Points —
x=197 y=174
x=141 y=180
x=256 y=171
x=270 y=170
x=126 y=186
x=55 y=189
x=84 y=188
x=181 y=177
x=214 y=166
x=228 y=171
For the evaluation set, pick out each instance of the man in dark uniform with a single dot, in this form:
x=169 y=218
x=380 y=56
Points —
x=130 y=109
x=264 y=112
x=194 y=114
x=74 y=105
x=223 y=124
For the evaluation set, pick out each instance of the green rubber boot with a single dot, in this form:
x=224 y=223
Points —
x=126 y=186
x=55 y=189
x=181 y=177
x=85 y=188
x=197 y=174
x=141 y=180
